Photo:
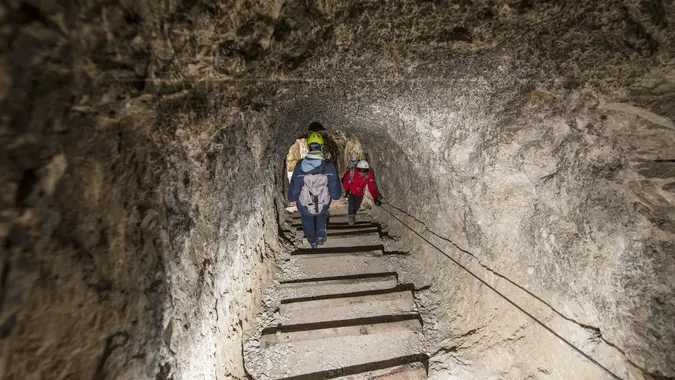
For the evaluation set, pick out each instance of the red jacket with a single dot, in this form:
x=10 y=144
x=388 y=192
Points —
x=358 y=185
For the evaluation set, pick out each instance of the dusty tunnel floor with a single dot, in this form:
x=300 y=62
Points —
x=340 y=311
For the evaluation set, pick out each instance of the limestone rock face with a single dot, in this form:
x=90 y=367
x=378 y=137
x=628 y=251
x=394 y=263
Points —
x=296 y=153
x=141 y=149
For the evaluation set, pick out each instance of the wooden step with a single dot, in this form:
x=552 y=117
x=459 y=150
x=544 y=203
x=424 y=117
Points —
x=360 y=327
x=319 y=266
x=305 y=289
x=359 y=230
x=332 y=211
x=340 y=225
x=347 y=226
x=340 y=218
x=368 y=250
x=341 y=355
x=345 y=308
x=412 y=371
x=372 y=238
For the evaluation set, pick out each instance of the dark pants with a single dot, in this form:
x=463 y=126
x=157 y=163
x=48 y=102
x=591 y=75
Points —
x=354 y=204
x=314 y=226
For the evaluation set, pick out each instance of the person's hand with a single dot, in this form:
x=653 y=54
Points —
x=377 y=201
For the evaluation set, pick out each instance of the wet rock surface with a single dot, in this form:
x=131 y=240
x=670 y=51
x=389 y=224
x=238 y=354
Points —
x=141 y=148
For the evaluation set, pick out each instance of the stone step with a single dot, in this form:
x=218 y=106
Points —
x=359 y=327
x=306 y=289
x=397 y=302
x=318 y=265
x=341 y=355
x=412 y=371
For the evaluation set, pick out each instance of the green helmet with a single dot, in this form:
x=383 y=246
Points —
x=314 y=138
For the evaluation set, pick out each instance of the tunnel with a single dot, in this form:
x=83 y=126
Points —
x=525 y=150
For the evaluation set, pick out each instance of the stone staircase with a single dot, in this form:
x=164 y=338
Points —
x=344 y=314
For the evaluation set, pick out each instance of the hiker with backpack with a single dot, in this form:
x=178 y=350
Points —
x=354 y=182
x=314 y=184
x=351 y=165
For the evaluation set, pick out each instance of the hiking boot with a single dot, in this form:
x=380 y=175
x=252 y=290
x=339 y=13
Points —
x=321 y=240
x=352 y=220
x=313 y=245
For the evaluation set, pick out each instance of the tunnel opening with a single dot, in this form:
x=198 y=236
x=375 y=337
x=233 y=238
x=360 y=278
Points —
x=142 y=177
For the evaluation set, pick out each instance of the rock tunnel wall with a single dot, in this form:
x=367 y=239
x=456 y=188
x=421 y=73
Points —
x=222 y=236
x=138 y=222
x=141 y=151
x=530 y=203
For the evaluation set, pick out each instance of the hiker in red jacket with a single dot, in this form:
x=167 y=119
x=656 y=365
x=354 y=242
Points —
x=354 y=182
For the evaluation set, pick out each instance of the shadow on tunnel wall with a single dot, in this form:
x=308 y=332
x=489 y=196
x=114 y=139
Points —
x=83 y=277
